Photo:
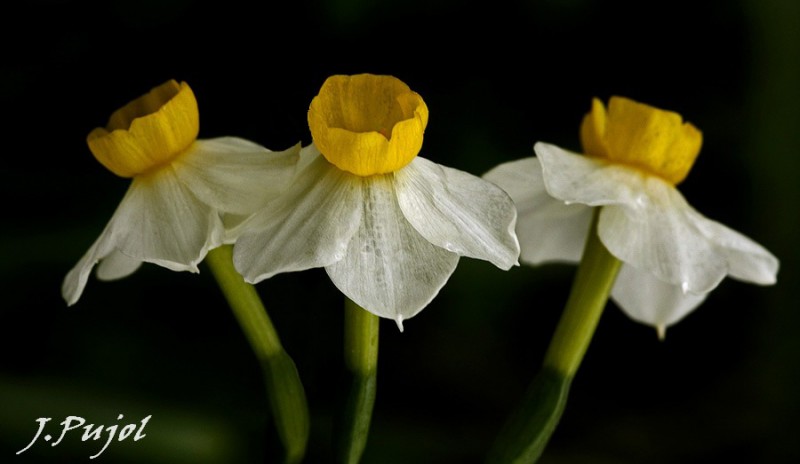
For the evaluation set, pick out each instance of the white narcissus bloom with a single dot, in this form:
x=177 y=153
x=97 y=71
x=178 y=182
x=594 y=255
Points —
x=387 y=226
x=635 y=155
x=172 y=212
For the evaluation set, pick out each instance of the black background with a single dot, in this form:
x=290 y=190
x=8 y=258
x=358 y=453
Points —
x=496 y=78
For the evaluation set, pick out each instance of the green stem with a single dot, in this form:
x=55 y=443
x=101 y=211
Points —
x=361 y=361
x=284 y=390
x=526 y=434
x=593 y=282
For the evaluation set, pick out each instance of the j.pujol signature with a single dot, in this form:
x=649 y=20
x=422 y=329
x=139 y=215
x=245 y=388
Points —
x=90 y=431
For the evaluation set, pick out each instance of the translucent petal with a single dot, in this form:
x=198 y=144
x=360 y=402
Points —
x=235 y=175
x=75 y=281
x=657 y=233
x=651 y=301
x=159 y=221
x=548 y=229
x=309 y=225
x=581 y=179
x=458 y=211
x=162 y=222
x=646 y=222
x=747 y=260
x=116 y=266
x=389 y=268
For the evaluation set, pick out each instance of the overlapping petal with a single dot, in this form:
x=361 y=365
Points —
x=549 y=230
x=458 y=211
x=158 y=221
x=174 y=215
x=747 y=260
x=164 y=223
x=655 y=234
x=235 y=175
x=309 y=225
x=388 y=242
x=647 y=222
x=116 y=266
x=672 y=255
x=582 y=179
x=389 y=268
x=651 y=301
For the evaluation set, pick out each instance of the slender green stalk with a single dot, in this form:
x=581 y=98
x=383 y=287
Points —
x=285 y=392
x=593 y=282
x=361 y=361
x=526 y=434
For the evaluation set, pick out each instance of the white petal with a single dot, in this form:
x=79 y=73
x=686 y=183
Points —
x=162 y=222
x=159 y=221
x=310 y=225
x=658 y=235
x=548 y=229
x=75 y=281
x=458 y=211
x=646 y=222
x=521 y=179
x=234 y=175
x=116 y=266
x=389 y=268
x=747 y=260
x=651 y=301
x=581 y=179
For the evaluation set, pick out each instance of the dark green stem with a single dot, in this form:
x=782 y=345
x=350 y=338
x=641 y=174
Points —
x=526 y=434
x=361 y=329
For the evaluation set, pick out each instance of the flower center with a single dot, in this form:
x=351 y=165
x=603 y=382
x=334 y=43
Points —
x=367 y=124
x=641 y=136
x=147 y=132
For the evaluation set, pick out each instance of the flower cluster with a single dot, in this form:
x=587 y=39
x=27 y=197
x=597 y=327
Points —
x=388 y=226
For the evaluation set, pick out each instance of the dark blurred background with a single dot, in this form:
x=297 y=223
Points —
x=496 y=77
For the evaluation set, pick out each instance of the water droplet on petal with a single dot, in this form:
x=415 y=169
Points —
x=340 y=253
x=685 y=287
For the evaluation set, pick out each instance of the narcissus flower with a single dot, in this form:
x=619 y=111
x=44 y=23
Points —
x=172 y=212
x=387 y=226
x=635 y=155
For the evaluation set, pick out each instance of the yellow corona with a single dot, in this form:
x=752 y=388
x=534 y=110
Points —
x=641 y=136
x=367 y=124
x=148 y=132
